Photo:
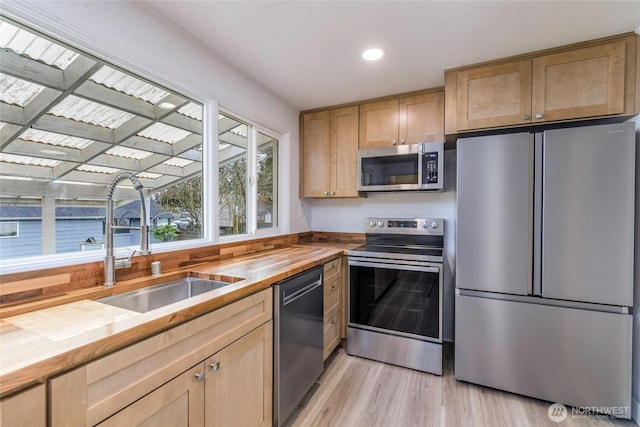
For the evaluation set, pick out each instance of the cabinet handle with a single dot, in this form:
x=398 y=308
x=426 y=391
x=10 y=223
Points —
x=200 y=376
x=402 y=141
x=526 y=117
x=539 y=116
x=332 y=287
x=215 y=366
x=394 y=142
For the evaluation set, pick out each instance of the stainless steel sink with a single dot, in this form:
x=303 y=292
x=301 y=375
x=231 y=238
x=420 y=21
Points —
x=147 y=299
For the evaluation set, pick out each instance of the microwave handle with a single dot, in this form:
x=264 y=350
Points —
x=421 y=183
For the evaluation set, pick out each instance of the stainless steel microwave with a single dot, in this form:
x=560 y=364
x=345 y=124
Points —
x=414 y=167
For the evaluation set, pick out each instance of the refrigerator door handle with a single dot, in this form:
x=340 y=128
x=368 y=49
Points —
x=537 y=215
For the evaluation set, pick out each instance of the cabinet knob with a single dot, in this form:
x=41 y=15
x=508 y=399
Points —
x=402 y=141
x=394 y=142
x=539 y=116
x=333 y=193
x=215 y=366
x=333 y=322
x=326 y=193
x=200 y=376
x=526 y=117
x=332 y=287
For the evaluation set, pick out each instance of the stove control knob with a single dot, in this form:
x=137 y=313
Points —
x=380 y=223
x=372 y=223
x=425 y=224
x=434 y=224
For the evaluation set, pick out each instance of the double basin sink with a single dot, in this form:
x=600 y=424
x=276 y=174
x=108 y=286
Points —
x=157 y=296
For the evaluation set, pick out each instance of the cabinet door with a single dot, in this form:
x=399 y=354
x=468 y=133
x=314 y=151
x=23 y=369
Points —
x=421 y=118
x=493 y=96
x=180 y=402
x=331 y=297
x=379 y=124
x=331 y=334
x=581 y=83
x=344 y=152
x=27 y=408
x=239 y=382
x=316 y=148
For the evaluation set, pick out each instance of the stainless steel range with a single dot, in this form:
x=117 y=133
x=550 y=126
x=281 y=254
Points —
x=395 y=293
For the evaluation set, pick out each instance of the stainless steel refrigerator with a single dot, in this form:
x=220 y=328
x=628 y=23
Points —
x=544 y=264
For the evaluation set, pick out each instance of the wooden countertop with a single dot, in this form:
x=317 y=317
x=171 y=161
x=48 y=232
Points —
x=38 y=344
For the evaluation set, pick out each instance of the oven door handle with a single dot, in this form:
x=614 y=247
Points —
x=395 y=266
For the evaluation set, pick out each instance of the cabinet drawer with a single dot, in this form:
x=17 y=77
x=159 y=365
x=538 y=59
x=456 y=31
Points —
x=331 y=334
x=89 y=394
x=332 y=270
x=331 y=297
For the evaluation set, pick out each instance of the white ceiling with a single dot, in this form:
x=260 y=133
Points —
x=309 y=52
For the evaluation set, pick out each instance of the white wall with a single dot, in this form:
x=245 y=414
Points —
x=128 y=35
x=347 y=215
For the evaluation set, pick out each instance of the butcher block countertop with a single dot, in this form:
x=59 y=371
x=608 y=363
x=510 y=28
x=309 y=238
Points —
x=38 y=344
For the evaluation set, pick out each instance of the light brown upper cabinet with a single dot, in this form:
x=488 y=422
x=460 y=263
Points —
x=496 y=95
x=407 y=120
x=583 y=83
x=329 y=153
x=587 y=80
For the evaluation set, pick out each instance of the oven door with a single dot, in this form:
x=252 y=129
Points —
x=398 y=297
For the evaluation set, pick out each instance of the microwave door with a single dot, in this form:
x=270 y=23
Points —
x=380 y=171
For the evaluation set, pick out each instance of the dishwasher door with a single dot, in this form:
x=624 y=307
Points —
x=298 y=322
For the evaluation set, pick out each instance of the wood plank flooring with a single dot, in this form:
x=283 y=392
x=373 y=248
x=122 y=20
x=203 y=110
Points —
x=356 y=392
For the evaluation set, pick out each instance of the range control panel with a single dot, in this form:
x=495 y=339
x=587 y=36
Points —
x=434 y=226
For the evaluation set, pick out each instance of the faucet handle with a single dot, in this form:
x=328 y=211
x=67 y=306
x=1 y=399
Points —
x=124 y=262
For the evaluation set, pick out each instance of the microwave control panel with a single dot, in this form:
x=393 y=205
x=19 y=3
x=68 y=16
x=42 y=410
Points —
x=430 y=168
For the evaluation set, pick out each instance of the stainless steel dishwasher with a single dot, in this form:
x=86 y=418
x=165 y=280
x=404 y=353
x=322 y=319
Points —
x=298 y=310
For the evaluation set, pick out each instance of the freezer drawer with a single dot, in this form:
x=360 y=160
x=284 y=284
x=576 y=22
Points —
x=572 y=356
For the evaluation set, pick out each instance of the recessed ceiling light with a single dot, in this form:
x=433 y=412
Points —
x=167 y=105
x=372 y=54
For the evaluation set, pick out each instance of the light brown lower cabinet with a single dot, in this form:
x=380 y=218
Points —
x=232 y=388
x=332 y=329
x=180 y=402
x=239 y=381
x=230 y=349
x=26 y=408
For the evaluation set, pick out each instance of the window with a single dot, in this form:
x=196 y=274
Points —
x=8 y=229
x=247 y=200
x=69 y=124
x=267 y=173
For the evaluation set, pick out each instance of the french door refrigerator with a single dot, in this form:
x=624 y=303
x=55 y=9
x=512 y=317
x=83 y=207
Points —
x=544 y=268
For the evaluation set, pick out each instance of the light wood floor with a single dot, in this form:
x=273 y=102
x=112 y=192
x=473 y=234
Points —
x=359 y=392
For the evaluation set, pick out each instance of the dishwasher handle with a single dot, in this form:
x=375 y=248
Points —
x=301 y=292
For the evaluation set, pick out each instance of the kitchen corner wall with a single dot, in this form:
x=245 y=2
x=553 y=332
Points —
x=347 y=215
x=635 y=376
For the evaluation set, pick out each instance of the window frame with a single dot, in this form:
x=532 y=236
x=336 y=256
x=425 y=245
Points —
x=253 y=231
x=211 y=109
